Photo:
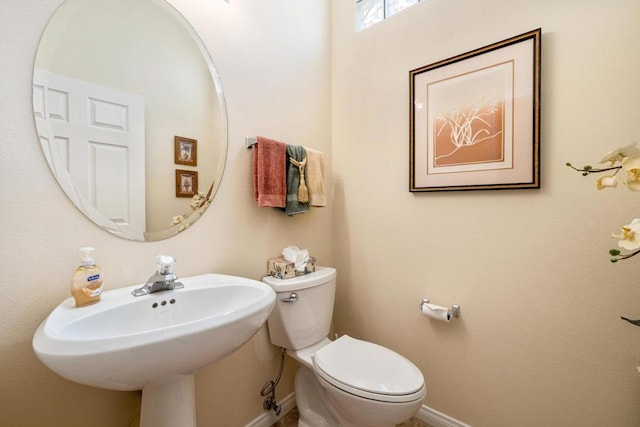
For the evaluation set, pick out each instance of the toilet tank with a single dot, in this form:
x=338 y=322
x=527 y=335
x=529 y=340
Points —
x=298 y=324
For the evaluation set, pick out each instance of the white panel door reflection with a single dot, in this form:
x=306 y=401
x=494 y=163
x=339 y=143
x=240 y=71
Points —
x=96 y=136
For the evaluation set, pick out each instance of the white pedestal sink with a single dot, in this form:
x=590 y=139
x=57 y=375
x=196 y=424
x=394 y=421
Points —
x=154 y=342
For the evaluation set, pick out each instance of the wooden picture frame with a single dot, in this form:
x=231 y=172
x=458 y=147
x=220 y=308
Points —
x=186 y=183
x=185 y=151
x=475 y=119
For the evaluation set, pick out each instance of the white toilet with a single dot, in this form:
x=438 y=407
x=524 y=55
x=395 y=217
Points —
x=346 y=382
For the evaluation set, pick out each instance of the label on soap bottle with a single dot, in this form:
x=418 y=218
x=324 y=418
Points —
x=94 y=286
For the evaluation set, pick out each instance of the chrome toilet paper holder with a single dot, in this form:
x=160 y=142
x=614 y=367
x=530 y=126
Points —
x=454 y=311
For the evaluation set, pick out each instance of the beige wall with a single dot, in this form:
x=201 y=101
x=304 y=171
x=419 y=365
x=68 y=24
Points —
x=539 y=341
x=273 y=61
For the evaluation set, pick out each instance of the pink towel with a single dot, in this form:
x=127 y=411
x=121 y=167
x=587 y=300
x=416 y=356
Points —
x=270 y=173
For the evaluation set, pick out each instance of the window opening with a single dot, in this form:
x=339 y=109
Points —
x=369 y=12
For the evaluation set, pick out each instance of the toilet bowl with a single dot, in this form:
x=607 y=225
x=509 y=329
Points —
x=347 y=382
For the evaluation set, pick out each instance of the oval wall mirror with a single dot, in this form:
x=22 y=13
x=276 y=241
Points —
x=130 y=114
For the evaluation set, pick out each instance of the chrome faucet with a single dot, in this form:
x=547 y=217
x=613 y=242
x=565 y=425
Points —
x=163 y=280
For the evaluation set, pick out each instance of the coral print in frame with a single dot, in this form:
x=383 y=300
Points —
x=475 y=119
x=186 y=151
x=186 y=183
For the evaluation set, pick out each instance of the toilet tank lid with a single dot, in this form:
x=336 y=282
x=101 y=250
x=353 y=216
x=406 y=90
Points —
x=320 y=276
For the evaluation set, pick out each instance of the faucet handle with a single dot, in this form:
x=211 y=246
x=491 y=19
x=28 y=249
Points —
x=165 y=264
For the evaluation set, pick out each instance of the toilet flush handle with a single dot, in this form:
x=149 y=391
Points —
x=293 y=297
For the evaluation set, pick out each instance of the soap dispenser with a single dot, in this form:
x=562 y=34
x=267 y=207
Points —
x=86 y=281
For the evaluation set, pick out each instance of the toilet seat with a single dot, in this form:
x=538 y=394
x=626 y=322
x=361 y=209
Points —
x=369 y=370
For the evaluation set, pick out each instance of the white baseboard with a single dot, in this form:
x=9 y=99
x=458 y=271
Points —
x=269 y=418
x=426 y=414
x=438 y=419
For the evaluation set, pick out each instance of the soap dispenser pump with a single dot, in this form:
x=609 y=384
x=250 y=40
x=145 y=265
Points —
x=86 y=281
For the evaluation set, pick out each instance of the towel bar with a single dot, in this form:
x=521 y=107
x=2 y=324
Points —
x=250 y=141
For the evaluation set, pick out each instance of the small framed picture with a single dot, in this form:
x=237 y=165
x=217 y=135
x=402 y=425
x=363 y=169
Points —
x=186 y=183
x=186 y=151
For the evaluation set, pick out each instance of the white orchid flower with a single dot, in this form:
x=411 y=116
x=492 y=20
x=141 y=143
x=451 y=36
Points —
x=632 y=166
x=620 y=153
x=178 y=219
x=629 y=236
x=607 y=181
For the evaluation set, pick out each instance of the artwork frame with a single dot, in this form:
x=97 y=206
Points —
x=185 y=151
x=475 y=119
x=186 y=183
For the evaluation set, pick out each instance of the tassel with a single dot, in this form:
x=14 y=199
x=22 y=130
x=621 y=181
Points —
x=303 y=191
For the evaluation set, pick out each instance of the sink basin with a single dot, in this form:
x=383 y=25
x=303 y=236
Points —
x=125 y=342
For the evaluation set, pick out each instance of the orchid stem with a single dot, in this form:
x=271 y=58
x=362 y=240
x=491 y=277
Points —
x=633 y=322
x=589 y=169
x=629 y=255
x=616 y=255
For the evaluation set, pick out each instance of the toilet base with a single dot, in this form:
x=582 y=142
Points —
x=311 y=401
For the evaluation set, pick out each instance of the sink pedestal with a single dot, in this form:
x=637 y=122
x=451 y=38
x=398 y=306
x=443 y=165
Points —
x=169 y=403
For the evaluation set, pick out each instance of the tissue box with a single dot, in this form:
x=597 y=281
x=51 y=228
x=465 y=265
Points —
x=280 y=268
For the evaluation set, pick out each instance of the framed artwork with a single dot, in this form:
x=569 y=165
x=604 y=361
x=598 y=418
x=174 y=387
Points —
x=186 y=183
x=475 y=119
x=185 y=151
